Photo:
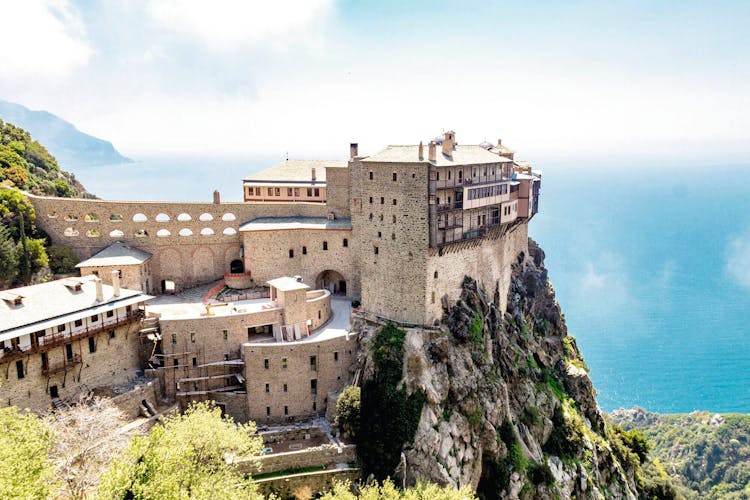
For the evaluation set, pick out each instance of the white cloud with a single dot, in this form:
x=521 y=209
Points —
x=225 y=23
x=43 y=39
x=737 y=264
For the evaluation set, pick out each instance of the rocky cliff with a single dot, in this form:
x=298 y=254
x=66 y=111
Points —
x=499 y=400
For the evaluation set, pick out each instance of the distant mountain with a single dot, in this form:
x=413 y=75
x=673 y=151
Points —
x=70 y=146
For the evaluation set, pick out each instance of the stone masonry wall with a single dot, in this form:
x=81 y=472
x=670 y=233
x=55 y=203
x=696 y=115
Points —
x=324 y=455
x=135 y=277
x=391 y=217
x=200 y=254
x=114 y=363
x=488 y=260
x=333 y=358
x=337 y=183
x=267 y=256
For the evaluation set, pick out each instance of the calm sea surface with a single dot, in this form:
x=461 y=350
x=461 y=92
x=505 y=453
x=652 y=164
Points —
x=651 y=267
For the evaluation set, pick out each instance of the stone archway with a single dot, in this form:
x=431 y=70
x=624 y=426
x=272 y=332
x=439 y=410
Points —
x=333 y=281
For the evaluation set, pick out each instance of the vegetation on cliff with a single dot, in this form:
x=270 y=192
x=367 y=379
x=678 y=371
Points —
x=27 y=165
x=706 y=455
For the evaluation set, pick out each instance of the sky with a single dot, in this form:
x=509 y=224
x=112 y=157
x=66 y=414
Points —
x=557 y=80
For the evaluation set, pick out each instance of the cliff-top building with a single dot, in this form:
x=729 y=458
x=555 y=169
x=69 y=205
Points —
x=397 y=230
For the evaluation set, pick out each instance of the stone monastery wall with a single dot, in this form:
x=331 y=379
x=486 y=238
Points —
x=191 y=243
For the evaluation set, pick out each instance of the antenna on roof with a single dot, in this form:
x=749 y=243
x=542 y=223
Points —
x=287 y=156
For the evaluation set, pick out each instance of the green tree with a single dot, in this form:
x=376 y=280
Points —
x=36 y=253
x=25 y=443
x=62 y=260
x=387 y=491
x=8 y=258
x=347 y=411
x=13 y=204
x=185 y=456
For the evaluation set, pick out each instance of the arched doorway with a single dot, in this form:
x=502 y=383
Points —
x=236 y=266
x=332 y=281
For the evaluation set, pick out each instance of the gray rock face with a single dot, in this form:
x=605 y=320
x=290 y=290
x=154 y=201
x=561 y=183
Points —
x=520 y=374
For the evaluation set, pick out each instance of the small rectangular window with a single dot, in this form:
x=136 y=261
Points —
x=192 y=337
x=296 y=192
x=60 y=328
x=94 y=318
x=195 y=361
x=395 y=176
x=289 y=191
x=285 y=388
x=268 y=411
x=346 y=242
x=265 y=363
x=174 y=339
x=92 y=344
x=175 y=362
x=69 y=352
x=277 y=191
x=370 y=174
x=315 y=406
x=376 y=250
x=314 y=387
x=325 y=245
x=370 y=200
x=335 y=356
x=110 y=314
x=394 y=201
x=19 y=369
x=286 y=410
x=225 y=334
x=291 y=253
x=317 y=192
x=313 y=363
x=270 y=191
x=257 y=191
x=78 y=322
x=304 y=250
x=309 y=192
x=283 y=363
x=268 y=388
x=382 y=200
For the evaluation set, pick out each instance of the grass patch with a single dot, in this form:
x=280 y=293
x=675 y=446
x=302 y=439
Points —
x=476 y=329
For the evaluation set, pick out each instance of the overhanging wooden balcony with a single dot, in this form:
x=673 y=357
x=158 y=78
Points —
x=66 y=365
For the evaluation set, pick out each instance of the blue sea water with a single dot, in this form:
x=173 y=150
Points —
x=651 y=265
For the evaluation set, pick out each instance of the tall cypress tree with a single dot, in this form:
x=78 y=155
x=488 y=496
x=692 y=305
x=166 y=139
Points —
x=8 y=257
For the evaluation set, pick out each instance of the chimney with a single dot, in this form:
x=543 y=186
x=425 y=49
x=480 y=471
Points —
x=432 y=148
x=313 y=174
x=449 y=142
x=99 y=290
x=116 y=283
x=353 y=149
x=217 y=198
x=499 y=142
x=421 y=150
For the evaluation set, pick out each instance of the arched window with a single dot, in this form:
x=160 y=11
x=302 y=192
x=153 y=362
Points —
x=183 y=217
x=162 y=217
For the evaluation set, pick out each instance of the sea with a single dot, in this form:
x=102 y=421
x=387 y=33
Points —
x=650 y=263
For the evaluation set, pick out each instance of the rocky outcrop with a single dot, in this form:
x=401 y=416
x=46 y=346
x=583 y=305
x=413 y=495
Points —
x=508 y=404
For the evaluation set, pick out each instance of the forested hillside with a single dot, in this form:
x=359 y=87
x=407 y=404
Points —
x=27 y=165
x=707 y=454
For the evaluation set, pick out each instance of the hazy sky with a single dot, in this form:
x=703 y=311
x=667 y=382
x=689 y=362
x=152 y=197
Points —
x=554 y=79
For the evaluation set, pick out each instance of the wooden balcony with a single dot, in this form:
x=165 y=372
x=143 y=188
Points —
x=67 y=364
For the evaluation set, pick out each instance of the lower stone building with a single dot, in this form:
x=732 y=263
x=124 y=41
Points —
x=66 y=338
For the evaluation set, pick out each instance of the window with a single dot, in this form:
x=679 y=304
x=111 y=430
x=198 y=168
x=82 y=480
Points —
x=69 y=352
x=277 y=191
x=315 y=406
x=225 y=334
x=449 y=175
x=376 y=250
x=270 y=191
x=325 y=245
x=60 y=328
x=174 y=362
x=268 y=411
x=318 y=314
x=370 y=174
x=78 y=322
x=433 y=297
x=94 y=318
x=286 y=389
x=436 y=275
x=286 y=410
x=291 y=253
x=395 y=177
x=394 y=201
x=257 y=191
x=195 y=361
x=393 y=236
x=265 y=363
x=382 y=200
x=174 y=339
x=53 y=392
x=283 y=363
x=370 y=215
x=289 y=191
x=313 y=363
x=45 y=362
x=394 y=219
x=314 y=387
x=304 y=250
x=192 y=337
x=346 y=243
x=380 y=234
x=296 y=192
x=381 y=217
x=268 y=388
x=19 y=369
x=92 y=344
x=370 y=200
x=335 y=356
x=309 y=192
x=110 y=314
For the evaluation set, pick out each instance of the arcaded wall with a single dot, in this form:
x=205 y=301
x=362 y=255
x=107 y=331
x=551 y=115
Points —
x=267 y=256
x=114 y=363
x=289 y=364
x=488 y=260
x=191 y=243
